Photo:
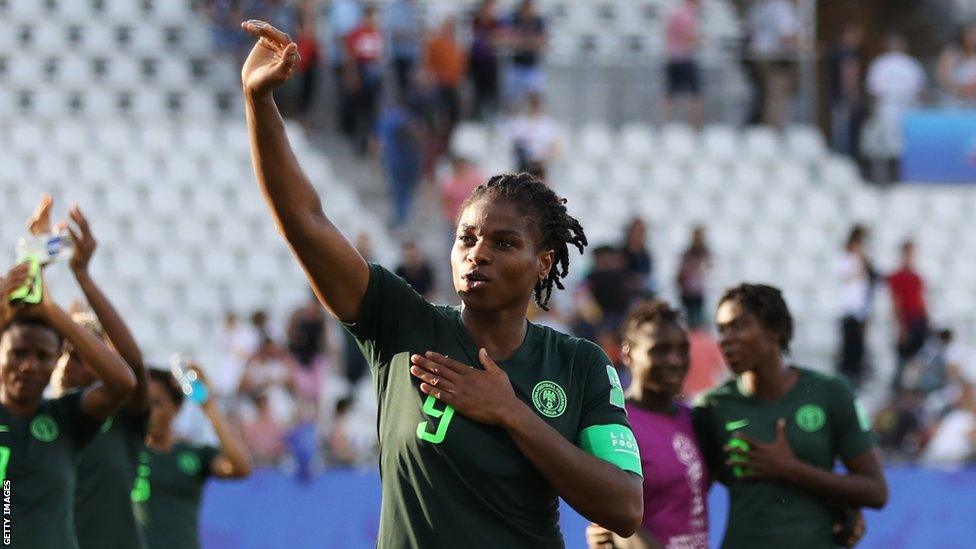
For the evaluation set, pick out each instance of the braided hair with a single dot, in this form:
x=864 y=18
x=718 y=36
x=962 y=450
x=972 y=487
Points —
x=769 y=307
x=547 y=212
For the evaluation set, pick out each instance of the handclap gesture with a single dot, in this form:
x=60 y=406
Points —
x=271 y=61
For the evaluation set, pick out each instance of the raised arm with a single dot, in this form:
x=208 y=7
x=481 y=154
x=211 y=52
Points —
x=115 y=328
x=338 y=274
x=233 y=461
x=116 y=381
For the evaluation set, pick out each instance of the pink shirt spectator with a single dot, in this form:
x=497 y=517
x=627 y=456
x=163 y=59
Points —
x=676 y=479
x=457 y=187
x=264 y=437
x=681 y=32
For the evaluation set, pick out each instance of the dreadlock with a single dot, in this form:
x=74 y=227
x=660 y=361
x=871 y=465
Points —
x=769 y=307
x=650 y=311
x=547 y=212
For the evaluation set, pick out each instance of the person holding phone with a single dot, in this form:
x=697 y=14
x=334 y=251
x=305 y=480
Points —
x=773 y=433
x=40 y=438
x=168 y=489
x=485 y=419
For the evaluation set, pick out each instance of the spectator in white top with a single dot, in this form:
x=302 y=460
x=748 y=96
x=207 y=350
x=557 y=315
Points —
x=236 y=342
x=954 y=442
x=535 y=138
x=957 y=70
x=895 y=80
x=774 y=27
x=856 y=282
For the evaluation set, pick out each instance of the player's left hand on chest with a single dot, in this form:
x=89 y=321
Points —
x=767 y=460
x=481 y=395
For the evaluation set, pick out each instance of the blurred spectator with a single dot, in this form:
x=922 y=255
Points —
x=344 y=16
x=895 y=80
x=306 y=331
x=464 y=178
x=683 y=76
x=364 y=50
x=226 y=17
x=696 y=264
x=929 y=370
x=535 y=138
x=612 y=288
x=308 y=64
x=957 y=69
x=342 y=450
x=528 y=40
x=483 y=59
x=400 y=137
x=445 y=62
x=774 y=28
x=236 y=343
x=846 y=67
x=911 y=314
x=953 y=444
x=640 y=262
x=269 y=372
x=856 y=283
x=263 y=434
x=259 y=327
x=415 y=270
x=901 y=426
x=406 y=28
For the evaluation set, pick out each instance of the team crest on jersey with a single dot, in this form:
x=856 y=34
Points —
x=549 y=398
x=187 y=463
x=44 y=428
x=616 y=388
x=810 y=418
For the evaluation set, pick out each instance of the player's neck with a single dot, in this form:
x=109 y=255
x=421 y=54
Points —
x=16 y=407
x=769 y=381
x=501 y=333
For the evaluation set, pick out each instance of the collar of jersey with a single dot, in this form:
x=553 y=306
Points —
x=524 y=351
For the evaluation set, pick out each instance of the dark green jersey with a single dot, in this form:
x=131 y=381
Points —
x=167 y=493
x=823 y=423
x=452 y=482
x=106 y=469
x=37 y=462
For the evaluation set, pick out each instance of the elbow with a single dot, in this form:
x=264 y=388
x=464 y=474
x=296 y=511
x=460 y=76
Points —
x=629 y=515
x=243 y=469
x=879 y=497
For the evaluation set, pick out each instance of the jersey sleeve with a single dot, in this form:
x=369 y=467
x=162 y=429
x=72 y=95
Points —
x=852 y=434
x=207 y=454
x=389 y=305
x=603 y=428
x=78 y=427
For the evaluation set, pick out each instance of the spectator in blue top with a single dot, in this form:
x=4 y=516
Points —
x=344 y=16
x=528 y=41
x=406 y=28
x=399 y=136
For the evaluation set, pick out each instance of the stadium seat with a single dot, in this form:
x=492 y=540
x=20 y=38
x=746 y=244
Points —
x=594 y=142
x=679 y=142
x=636 y=143
x=720 y=143
x=762 y=144
x=805 y=143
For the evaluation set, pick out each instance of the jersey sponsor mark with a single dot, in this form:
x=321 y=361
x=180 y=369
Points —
x=188 y=463
x=549 y=398
x=616 y=389
x=810 y=418
x=736 y=425
x=44 y=428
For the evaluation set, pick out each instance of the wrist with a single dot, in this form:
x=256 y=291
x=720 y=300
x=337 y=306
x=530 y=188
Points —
x=515 y=416
x=793 y=471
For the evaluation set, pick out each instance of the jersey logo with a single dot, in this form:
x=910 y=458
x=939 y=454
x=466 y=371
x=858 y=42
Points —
x=549 y=398
x=44 y=428
x=810 y=418
x=616 y=389
x=736 y=425
x=4 y=428
x=187 y=463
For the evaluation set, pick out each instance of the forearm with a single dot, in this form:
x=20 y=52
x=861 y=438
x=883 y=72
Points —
x=598 y=490
x=115 y=375
x=231 y=445
x=848 y=489
x=120 y=336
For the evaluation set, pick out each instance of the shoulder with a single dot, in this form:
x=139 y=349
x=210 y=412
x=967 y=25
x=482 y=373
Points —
x=723 y=393
x=833 y=383
x=583 y=352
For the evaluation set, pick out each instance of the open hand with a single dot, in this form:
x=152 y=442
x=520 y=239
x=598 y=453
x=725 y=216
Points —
x=271 y=61
x=775 y=460
x=485 y=395
x=85 y=243
x=598 y=537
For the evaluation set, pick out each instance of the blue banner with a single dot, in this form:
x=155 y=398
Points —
x=940 y=146
x=340 y=510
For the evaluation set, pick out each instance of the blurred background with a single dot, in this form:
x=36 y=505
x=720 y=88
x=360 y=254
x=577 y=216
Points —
x=828 y=148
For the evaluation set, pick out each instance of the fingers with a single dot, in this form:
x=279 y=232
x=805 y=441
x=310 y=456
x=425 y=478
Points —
x=749 y=440
x=486 y=361
x=447 y=362
x=780 y=429
x=433 y=380
x=263 y=29
x=437 y=393
x=288 y=61
x=40 y=220
x=80 y=220
x=435 y=368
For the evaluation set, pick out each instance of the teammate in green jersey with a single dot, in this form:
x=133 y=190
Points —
x=40 y=439
x=773 y=433
x=475 y=449
x=171 y=473
x=107 y=466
